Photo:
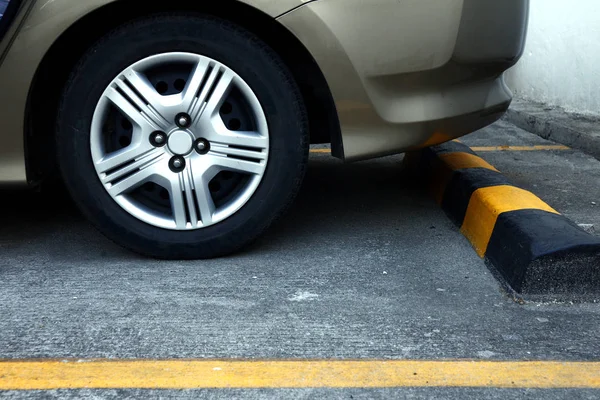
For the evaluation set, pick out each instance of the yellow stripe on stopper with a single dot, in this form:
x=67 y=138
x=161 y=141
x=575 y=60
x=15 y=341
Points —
x=487 y=204
x=458 y=161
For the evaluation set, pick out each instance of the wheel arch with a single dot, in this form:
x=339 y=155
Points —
x=57 y=64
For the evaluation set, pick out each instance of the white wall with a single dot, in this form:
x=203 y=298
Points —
x=561 y=62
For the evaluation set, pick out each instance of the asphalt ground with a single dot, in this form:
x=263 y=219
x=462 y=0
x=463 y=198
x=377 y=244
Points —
x=364 y=267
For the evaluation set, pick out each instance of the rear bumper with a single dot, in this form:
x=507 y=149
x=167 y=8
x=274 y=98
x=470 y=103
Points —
x=412 y=75
x=409 y=121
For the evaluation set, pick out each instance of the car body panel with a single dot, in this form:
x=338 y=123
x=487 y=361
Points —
x=403 y=73
x=419 y=71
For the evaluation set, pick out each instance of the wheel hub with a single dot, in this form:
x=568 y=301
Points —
x=180 y=142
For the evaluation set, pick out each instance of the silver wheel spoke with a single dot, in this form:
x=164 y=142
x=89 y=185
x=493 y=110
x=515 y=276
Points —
x=191 y=200
x=181 y=200
x=223 y=163
x=244 y=153
x=136 y=178
x=196 y=87
x=203 y=197
x=223 y=136
x=125 y=156
x=220 y=93
x=213 y=94
x=156 y=104
x=206 y=205
x=129 y=109
x=141 y=104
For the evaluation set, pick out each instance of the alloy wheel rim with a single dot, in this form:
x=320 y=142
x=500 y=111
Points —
x=180 y=141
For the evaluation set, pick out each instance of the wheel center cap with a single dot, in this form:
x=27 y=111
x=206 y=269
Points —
x=180 y=142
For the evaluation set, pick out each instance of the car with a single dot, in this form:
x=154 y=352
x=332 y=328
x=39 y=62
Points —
x=181 y=128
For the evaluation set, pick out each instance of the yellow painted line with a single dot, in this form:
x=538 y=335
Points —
x=489 y=148
x=193 y=374
x=520 y=148
x=486 y=204
x=450 y=162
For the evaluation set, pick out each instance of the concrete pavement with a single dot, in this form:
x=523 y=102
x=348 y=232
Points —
x=365 y=266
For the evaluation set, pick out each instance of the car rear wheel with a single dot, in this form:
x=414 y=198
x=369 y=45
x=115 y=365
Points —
x=182 y=136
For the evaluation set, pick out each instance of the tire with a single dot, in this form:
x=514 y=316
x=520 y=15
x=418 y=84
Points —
x=127 y=218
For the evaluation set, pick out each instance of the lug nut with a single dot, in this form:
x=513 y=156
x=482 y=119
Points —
x=177 y=164
x=158 y=139
x=183 y=120
x=202 y=146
